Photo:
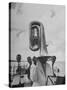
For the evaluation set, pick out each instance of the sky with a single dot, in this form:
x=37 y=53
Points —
x=53 y=19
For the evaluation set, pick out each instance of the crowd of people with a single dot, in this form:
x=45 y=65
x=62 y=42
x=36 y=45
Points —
x=36 y=73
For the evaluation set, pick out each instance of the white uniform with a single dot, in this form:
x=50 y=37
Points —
x=38 y=75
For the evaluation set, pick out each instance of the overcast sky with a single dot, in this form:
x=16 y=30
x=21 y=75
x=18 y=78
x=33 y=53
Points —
x=53 y=19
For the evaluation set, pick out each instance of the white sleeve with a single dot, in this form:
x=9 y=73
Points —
x=33 y=73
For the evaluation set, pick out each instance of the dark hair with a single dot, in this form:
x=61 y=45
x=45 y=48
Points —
x=29 y=60
x=18 y=57
x=54 y=57
x=34 y=60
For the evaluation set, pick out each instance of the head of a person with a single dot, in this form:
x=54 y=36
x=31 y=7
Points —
x=34 y=60
x=18 y=57
x=54 y=57
x=29 y=60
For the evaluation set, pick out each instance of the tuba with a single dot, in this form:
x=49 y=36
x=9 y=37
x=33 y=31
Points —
x=35 y=36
